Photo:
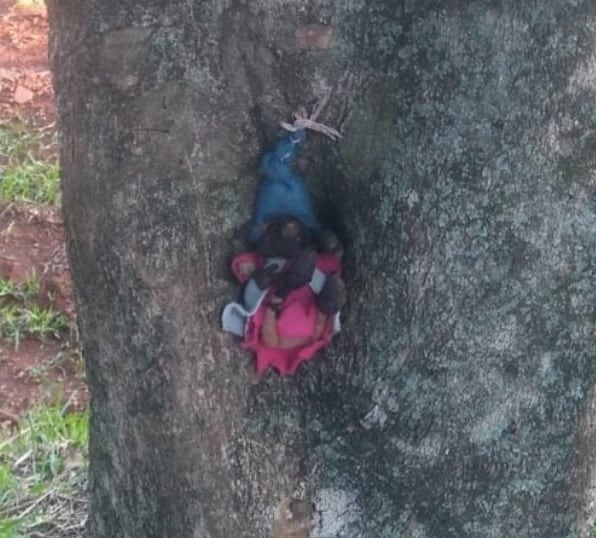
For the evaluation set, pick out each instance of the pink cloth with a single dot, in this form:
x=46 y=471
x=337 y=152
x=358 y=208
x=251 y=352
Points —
x=297 y=319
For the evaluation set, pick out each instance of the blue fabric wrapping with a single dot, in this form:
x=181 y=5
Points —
x=282 y=192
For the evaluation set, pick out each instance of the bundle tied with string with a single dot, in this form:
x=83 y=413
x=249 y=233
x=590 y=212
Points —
x=293 y=291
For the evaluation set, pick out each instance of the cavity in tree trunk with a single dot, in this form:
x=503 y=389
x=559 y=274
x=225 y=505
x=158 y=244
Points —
x=459 y=400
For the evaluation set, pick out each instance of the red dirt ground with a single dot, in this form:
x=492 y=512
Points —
x=32 y=237
x=25 y=81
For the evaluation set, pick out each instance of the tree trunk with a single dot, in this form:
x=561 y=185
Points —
x=460 y=399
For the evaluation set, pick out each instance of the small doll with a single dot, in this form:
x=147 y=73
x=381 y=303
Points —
x=293 y=287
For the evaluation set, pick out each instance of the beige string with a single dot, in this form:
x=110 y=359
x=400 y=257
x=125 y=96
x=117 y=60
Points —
x=303 y=121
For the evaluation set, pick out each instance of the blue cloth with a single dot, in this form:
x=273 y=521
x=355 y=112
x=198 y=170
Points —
x=282 y=192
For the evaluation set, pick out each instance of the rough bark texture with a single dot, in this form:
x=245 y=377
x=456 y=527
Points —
x=460 y=400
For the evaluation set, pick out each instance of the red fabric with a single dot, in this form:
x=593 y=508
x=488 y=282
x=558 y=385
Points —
x=296 y=319
x=246 y=258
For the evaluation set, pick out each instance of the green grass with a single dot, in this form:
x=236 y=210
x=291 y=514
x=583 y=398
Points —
x=21 y=316
x=26 y=292
x=69 y=357
x=43 y=475
x=25 y=176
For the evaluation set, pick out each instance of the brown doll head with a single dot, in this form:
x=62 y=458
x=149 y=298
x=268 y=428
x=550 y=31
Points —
x=284 y=237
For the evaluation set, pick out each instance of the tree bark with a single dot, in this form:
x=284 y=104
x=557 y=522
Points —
x=460 y=399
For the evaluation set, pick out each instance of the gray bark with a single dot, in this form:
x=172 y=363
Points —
x=460 y=399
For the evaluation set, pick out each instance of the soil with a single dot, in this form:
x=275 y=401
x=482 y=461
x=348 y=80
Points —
x=25 y=80
x=32 y=237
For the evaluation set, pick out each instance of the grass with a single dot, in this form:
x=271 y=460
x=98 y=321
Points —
x=43 y=475
x=25 y=292
x=43 y=459
x=21 y=316
x=70 y=357
x=25 y=176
